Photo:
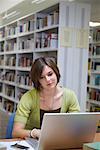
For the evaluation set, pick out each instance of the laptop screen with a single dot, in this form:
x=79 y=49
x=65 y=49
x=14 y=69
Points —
x=67 y=130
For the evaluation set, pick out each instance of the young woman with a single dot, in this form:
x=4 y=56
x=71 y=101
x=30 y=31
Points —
x=46 y=96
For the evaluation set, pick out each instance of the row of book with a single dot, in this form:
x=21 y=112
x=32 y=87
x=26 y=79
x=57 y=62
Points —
x=20 y=93
x=94 y=108
x=10 y=61
x=1 y=104
x=8 y=106
x=94 y=94
x=24 y=79
x=26 y=44
x=47 y=20
x=42 y=40
x=13 y=30
x=95 y=65
x=1 y=46
x=97 y=80
x=11 y=46
x=47 y=40
x=94 y=50
x=9 y=76
x=96 y=35
x=89 y=64
x=2 y=33
x=29 y=25
x=1 y=61
x=10 y=31
x=10 y=91
x=94 y=80
x=0 y=87
x=1 y=74
x=25 y=61
x=26 y=26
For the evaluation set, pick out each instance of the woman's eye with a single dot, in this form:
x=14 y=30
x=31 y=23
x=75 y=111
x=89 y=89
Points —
x=41 y=77
x=50 y=74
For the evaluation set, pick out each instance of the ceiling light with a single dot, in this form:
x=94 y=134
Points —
x=40 y=1
x=13 y=15
x=34 y=1
x=94 y=24
x=8 y=15
x=37 y=1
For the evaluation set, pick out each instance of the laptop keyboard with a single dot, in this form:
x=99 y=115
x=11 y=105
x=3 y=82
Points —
x=32 y=142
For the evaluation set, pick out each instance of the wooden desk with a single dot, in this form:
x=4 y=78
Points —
x=10 y=140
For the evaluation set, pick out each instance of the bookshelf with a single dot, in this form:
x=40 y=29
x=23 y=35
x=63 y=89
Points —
x=44 y=33
x=21 y=42
x=93 y=89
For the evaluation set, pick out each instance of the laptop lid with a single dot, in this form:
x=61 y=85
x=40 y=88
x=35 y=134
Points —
x=67 y=130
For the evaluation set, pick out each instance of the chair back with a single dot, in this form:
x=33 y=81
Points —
x=10 y=126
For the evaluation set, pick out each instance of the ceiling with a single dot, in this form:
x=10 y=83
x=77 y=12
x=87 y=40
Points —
x=24 y=7
x=7 y=4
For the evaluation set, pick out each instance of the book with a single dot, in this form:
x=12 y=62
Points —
x=92 y=146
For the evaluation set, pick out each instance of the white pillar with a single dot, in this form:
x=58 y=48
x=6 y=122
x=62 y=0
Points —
x=73 y=48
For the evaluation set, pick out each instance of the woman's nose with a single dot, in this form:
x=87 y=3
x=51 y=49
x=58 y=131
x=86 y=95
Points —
x=47 y=78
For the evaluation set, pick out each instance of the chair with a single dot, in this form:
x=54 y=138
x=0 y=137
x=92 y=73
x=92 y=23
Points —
x=10 y=126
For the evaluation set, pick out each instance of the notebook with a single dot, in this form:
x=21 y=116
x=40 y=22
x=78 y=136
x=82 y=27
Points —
x=67 y=130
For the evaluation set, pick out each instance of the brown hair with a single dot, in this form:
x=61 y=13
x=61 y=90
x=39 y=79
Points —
x=37 y=68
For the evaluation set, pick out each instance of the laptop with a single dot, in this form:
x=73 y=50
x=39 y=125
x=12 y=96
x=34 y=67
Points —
x=62 y=131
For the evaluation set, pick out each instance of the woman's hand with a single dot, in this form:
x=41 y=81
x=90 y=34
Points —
x=19 y=131
x=35 y=133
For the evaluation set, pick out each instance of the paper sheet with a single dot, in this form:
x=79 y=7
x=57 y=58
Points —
x=66 y=37
x=82 y=40
x=23 y=142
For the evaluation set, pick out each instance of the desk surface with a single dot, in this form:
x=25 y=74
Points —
x=96 y=139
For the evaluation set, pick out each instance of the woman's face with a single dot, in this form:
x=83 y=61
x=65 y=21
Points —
x=48 y=78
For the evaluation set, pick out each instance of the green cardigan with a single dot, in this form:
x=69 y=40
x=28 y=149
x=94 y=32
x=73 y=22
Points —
x=28 y=110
